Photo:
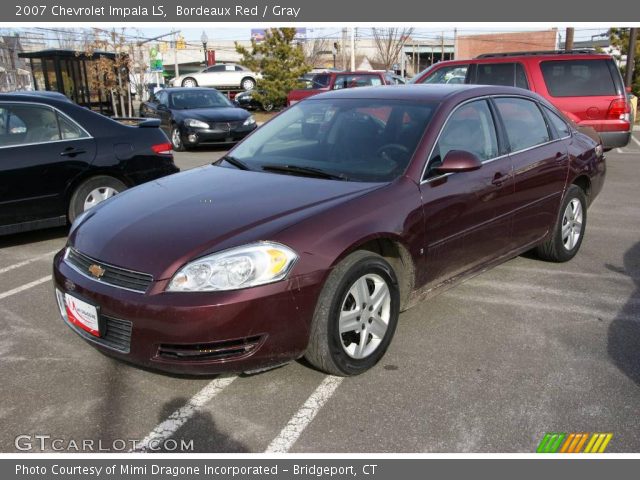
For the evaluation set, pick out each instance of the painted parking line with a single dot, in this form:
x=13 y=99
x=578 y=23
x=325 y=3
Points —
x=24 y=287
x=303 y=417
x=635 y=140
x=178 y=418
x=29 y=261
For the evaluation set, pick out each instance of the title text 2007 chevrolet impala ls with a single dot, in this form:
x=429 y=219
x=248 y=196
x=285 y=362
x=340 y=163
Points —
x=313 y=233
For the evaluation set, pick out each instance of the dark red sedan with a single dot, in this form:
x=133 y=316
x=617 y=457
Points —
x=313 y=233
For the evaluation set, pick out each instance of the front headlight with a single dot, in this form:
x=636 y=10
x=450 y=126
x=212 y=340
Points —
x=250 y=120
x=239 y=267
x=193 y=123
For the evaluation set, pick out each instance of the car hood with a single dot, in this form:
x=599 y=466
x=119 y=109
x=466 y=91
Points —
x=157 y=227
x=212 y=114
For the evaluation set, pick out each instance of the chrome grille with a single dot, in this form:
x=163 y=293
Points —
x=226 y=126
x=112 y=275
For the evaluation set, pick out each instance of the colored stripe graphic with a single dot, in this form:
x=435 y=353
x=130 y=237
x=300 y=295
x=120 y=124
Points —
x=554 y=442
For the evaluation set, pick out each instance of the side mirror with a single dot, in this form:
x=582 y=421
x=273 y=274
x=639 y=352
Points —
x=459 y=161
x=162 y=106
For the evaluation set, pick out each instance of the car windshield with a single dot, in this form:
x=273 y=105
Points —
x=353 y=139
x=185 y=100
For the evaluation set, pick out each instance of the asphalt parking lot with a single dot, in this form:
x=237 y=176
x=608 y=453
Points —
x=490 y=366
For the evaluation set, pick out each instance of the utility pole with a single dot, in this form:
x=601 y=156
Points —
x=631 y=53
x=442 y=47
x=353 y=48
x=344 y=48
x=568 y=43
x=175 y=55
x=455 y=43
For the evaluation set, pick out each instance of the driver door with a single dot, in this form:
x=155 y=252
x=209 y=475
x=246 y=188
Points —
x=467 y=214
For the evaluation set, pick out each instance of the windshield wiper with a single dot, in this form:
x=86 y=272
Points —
x=239 y=164
x=307 y=171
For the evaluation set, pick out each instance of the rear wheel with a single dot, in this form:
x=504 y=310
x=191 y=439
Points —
x=92 y=192
x=267 y=107
x=565 y=239
x=356 y=315
x=248 y=83
x=189 y=82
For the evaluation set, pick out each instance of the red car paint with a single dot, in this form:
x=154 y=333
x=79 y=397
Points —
x=607 y=113
x=445 y=228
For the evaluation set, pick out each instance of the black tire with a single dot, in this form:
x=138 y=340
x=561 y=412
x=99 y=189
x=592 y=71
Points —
x=553 y=249
x=189 y=79
x=76 y=204
x=267 y=107
x=176 y=142
x=247 y=83
x=325 y=350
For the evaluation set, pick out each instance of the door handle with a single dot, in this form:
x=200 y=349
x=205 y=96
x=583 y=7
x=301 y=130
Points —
x=499 y=178
x=71 y=152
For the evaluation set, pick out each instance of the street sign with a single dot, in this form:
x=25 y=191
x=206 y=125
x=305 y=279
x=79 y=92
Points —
x=155 y=65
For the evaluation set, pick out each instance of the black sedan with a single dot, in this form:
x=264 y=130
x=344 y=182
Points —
x=195 y=116
x=249 y=101
x=59 y=159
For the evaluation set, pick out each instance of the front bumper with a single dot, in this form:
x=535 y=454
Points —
x=197 y=136
x=196 y=333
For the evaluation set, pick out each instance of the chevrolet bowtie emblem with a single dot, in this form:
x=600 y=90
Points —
x=96 y=270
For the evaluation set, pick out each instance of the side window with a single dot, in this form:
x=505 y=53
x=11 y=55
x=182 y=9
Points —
x=352 y=81
x=320 y=81
x=496 y=74
x=521 y=77
x=558 y=123
x=239 y=68
x=470 y=128
x=27 y=124
x=161 y=98
x=523 y=122
x=451 y=74
x=70 y=130
x=216 y=68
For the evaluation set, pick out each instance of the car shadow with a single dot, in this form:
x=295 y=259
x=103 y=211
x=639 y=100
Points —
x=199 y=434
x=17 y=239
x=624 y=332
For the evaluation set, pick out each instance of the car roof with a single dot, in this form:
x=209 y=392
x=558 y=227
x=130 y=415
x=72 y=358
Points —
x=48 y=98
x=182 y=89
x=423 y=92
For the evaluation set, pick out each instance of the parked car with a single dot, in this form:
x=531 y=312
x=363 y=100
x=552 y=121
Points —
x=248 y=101
x=228 y=75
x=59 y=160
x=324 y=82
x=313 y=233
x=197 y=116
x=587 y=87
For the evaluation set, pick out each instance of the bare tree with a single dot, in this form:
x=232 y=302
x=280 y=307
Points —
x=389 y=43
x=315 y=49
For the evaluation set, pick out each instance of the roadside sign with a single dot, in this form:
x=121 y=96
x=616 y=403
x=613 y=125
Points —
x=155 y=65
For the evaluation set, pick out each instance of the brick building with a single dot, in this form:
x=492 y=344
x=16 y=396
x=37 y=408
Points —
x=470 y=46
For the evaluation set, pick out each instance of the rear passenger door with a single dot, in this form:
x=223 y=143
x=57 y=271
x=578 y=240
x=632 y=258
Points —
x=540 y=164
x=41 y=151
x=467 y=214
x=510 y=74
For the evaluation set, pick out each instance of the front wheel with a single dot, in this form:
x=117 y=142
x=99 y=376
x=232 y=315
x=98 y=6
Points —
x=565 y=239
x=92 y=192
x=356 y=315
x=176 y=139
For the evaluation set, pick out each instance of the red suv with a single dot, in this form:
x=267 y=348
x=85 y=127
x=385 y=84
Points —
x=324 y=82
x=586 y=86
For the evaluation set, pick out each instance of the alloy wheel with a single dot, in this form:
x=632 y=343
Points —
x=364 y=316
x=572 y=224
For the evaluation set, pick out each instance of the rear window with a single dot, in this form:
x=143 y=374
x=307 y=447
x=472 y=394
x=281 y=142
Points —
x=356 y=80
x=578 y=78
